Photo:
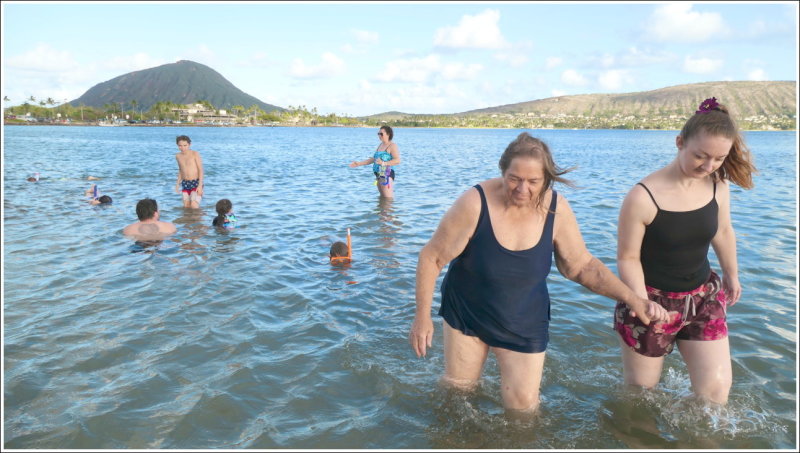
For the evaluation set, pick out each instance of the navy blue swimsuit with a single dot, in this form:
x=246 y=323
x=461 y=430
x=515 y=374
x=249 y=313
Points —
x=500 y=295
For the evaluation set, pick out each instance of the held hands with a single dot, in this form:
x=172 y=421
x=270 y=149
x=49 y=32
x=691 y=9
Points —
x=379 y=161
x=649 y=311
x=421 y=335
x=732 y=288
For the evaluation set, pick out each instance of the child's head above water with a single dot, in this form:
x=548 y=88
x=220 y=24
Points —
x=339 y=250
x=224 y=206
x=104 y=199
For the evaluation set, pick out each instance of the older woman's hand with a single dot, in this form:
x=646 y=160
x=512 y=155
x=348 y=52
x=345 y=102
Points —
x=649 y=311
x=421 y=335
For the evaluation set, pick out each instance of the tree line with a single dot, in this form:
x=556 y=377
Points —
x=47 y=110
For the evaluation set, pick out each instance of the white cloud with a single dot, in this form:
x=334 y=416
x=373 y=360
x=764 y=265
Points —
x=633 y=57
x=557 y=93
x=553 y=62
x=48 y=72
x=460 y=71
x=757 y=74
x=330 y=66
x=43 y=58
x=134 y=62
x=473 y=32
x=444 y=98
x=614 y=79
x=422 y=70
x=701 y=65
x=628 y=58
x=573 y=77
x=677 y=22
x=415 y=70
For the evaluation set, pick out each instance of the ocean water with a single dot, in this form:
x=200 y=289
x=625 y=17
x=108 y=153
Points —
x=251 y=339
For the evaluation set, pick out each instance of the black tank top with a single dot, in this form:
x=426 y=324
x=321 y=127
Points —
x=500 y=295
x=674 y=250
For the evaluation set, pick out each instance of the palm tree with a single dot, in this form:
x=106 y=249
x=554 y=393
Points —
x=133 y=105
x=237 y=109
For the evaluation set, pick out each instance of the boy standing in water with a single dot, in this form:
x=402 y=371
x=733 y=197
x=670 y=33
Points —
x=190 y=173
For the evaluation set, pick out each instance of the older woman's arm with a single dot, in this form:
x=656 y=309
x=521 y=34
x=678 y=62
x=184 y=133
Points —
x=449 y=240
x=576 y=263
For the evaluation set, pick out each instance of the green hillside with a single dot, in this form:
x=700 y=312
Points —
x=756 y=105
x=183 y=82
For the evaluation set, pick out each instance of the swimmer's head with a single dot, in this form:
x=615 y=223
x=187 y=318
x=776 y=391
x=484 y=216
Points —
x=339 y=250
x=183 y=138
x=146 y=209
x=104 y=199
x=32 y=179
x=224 y=206
x=388 y=130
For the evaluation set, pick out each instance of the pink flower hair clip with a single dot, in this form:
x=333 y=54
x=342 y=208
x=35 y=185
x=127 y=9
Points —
x=708 y=105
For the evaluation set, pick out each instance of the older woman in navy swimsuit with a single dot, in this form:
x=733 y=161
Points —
x=499 y=238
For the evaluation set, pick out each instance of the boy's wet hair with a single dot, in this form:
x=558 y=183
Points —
x=104 y=199
x=146 y=209
x=184 y=138
x=338 y=249
x=224 y=206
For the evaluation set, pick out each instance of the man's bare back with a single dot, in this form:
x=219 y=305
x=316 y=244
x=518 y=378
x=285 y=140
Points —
x=149 y=230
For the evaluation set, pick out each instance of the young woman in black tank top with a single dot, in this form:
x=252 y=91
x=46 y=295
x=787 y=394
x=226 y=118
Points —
x=666 y=225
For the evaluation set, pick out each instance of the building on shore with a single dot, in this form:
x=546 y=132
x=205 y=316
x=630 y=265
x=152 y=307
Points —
x=200 y=114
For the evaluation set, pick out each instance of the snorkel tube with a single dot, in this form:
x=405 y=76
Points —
x=349 y=246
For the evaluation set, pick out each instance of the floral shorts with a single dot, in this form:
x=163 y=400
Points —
x=697 y=315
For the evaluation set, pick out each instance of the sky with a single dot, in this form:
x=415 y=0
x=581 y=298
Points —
x=363 y=58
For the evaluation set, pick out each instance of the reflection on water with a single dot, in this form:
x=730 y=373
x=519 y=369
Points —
x=191 y=227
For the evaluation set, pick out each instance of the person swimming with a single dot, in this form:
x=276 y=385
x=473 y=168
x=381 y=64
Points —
x=92 y=192
x=342 y=253
x=225 y=217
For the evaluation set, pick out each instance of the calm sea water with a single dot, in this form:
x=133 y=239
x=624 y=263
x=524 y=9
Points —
x=250 y=339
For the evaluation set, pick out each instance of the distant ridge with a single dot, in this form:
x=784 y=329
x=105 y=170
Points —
x=743 y=98
x=183 y=82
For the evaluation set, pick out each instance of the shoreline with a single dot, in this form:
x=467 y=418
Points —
x=354 y=126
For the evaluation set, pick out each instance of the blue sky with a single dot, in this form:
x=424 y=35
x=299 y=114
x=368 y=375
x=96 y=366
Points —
x=361 y=58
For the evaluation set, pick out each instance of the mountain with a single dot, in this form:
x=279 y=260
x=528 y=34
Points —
x=744 y=99
x=184 y=82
